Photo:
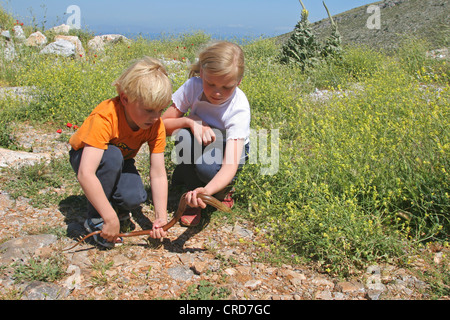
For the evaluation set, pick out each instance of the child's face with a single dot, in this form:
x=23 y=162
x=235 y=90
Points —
x=139 y=116
x=217 y=89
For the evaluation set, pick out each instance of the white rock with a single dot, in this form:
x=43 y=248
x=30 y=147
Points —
x=36 y=39
x=75 y=40
x=253 y=284
x=64 y=28
x=19 y=34
x=60 y=47
x=98 y=43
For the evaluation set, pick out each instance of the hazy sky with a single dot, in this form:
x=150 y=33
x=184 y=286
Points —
x=240 y=17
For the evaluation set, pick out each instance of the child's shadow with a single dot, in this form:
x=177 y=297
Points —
x=178 y=244
x=74 y=210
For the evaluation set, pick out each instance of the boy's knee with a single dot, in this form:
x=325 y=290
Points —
x=131 y=198
x=113 y=158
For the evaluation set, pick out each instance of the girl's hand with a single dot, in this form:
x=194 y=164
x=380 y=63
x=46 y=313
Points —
x=201 y=131
x=193 y=201
x=157 y=231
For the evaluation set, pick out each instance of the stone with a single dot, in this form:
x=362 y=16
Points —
x=19 y=35
x=38 y=290
x=348 y=287
x=242 y=232
x=98 y=43
x=60 y=47
x=23 y=248
x=76 y=41
x=10 y=158
x=75 y=280
x=253 y=284
x=319 y=281
x=9 y=51
x=36 y=39
x=181 y=273
x=6 y=34
x=61 y=29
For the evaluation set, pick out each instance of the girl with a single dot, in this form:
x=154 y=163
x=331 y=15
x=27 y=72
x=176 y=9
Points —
x=213 y=139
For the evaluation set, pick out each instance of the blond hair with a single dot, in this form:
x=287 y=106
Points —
x=146 y=81
x=220 y=58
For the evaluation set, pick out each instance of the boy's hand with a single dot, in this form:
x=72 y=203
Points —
x=111 y=229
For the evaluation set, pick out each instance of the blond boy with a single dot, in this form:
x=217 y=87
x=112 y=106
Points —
x=104 y=147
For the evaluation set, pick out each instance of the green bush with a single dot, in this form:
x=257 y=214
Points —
x=361 y=173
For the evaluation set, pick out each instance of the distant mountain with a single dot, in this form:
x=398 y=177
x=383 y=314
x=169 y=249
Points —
x=425 y=19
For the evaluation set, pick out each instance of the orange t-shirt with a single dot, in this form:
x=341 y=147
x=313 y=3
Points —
x=107 y=125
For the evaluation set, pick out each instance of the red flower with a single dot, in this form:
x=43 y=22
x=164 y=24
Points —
x=75 y=127
x=69 y=125
x=59 y=131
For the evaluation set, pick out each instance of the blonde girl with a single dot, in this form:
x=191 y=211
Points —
x=210 y=117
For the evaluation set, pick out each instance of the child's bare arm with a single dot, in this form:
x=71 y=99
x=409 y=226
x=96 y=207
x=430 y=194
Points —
x=93 y=190
x=233 y=153
x=173 y=120
x=158 y=179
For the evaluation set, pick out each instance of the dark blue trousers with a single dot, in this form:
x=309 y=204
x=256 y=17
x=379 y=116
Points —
x=119 y=178
x=197 y=164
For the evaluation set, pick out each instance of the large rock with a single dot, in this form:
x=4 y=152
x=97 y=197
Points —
x=22 y=249
x=62 y=29
x=11 y=158
x=6 y=34
x=98 y=43
x=9 y=51
x=76 y=41
x=36 y=39
x=60 y=47
x=19 y=35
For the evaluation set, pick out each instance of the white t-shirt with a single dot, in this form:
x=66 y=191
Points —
x=232 y=117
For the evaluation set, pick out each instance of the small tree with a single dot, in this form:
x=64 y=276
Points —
x=302 y=47
x=333 y=45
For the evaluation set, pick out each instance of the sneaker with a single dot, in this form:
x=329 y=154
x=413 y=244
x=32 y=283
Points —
x=191 y=217
x=141 y=219
x=90 y=226
x=126 y=225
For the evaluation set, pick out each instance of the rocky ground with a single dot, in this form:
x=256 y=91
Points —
x=220 y=260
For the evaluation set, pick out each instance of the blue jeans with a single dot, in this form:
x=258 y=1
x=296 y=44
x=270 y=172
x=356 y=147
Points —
x=119 y=178
x=197 y=165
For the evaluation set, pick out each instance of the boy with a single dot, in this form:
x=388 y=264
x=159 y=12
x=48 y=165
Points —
x=104 y=147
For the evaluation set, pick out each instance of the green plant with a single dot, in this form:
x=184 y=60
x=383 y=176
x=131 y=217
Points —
x=302 y=47
x=38 y=269
x=101 y=278
x=205 y=290
x=40 y=182
x=304 y=50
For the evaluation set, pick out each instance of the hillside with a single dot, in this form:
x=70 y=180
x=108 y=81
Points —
x=427 y=19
